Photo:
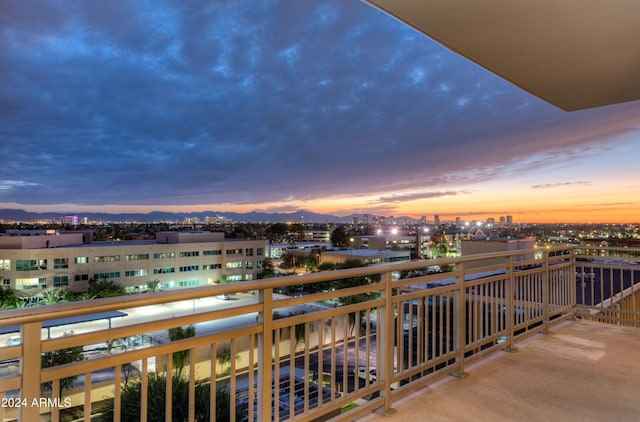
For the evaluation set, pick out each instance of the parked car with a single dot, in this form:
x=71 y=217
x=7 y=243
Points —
x=14 y=341
x=364 y=374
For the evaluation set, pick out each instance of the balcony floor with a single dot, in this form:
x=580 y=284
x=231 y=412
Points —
x=582 y=371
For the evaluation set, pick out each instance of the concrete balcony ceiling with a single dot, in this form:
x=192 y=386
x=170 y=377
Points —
x=574 y=54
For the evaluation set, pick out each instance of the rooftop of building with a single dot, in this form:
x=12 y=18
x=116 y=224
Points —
x=45 y=239
x=367 y=252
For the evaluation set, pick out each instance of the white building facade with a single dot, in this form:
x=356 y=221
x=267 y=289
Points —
x=34 y=262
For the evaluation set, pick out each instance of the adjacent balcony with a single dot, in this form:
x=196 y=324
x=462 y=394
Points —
x=359 y=344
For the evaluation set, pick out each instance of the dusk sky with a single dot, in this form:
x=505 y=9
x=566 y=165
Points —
x=330 y=106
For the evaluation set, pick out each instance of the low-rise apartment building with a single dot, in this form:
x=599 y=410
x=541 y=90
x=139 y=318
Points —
x=32 y=261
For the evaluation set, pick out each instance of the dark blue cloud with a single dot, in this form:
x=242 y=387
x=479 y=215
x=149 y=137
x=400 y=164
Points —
x=177 y=102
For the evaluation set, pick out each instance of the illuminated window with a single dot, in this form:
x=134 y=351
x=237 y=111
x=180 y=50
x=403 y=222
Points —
x=5 y=265
x=136 y=273
x=31 y=264
x=164 y=255
x=212 y=266
x=31 y=283
x=137 y=257
x=81 y=260
x=106 y=258
x=234 y=264
x=165 y=270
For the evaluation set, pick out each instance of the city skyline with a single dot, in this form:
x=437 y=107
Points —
x=333 y=107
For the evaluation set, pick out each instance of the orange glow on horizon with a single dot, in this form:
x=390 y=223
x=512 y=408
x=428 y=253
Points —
x=523 y=210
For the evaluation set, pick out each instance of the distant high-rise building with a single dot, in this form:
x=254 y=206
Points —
x=365 y=219
x=491 y=221
x=502 y=219
x=69 y=219
x=423 y=219
x=458 y=222
x=436 y=219
x=509 y=219
x=354 y=220
x=301 y=219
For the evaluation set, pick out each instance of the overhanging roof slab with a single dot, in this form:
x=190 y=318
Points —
x=575 y=54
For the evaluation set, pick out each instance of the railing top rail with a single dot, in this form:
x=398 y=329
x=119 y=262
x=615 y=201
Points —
x=607 y=248
x=71 y=309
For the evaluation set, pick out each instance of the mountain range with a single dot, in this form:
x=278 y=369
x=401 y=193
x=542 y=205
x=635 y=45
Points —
x=162 y=216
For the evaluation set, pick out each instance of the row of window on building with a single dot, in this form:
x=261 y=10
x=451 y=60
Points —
x=61 y=263
x=63 y=281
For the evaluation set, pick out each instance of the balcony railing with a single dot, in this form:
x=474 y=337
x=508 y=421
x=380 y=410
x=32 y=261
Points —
x=340 y=344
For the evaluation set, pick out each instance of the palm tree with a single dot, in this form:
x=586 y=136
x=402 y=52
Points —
x=20 y=303
x=51 y=297
x=86 y=296
x=224 y=356
x=180 y=358
x=154 y=285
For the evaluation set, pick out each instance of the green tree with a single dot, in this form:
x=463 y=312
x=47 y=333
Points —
x=61 y=357
x=85 y=296
x=51 y=297
x=157 y=388
x=300 y=330
x=277 y=232
x=339 y=237
x=105 y=288
x=441 y=250
x=8 y=298
x=295 y=233
x=267 y=269
x=327 y=266
x=181 y=358
x=154 y=285
x=223 y=356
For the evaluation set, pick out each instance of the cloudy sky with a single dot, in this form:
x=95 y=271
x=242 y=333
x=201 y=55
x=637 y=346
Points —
x=330 y=106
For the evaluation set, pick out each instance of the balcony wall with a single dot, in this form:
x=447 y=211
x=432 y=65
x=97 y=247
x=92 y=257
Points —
x=365 y=338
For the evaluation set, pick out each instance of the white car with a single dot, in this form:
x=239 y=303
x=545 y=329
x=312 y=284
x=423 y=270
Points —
x=14 y=341
x=372 y=374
